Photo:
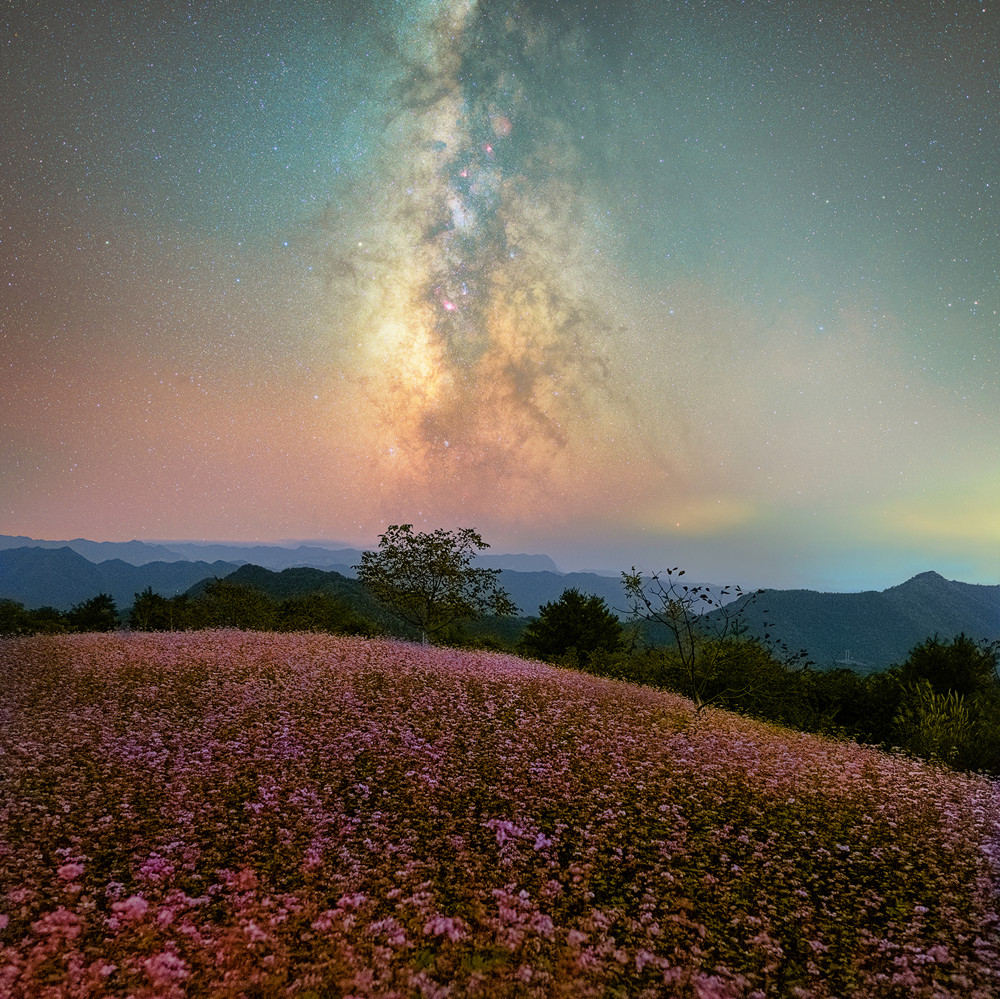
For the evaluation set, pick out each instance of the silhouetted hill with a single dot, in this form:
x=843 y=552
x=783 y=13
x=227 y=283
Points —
x=877 y=628
x=56 y=577
x=301 y=580
x=529 y=590
x=286 y=583
x=124 y=581
x=276 y=557
x=133 y=552
x=273 y=557
x=340 y=560
x=61 y=577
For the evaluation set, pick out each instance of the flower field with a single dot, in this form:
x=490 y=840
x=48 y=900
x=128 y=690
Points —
x=229 y=814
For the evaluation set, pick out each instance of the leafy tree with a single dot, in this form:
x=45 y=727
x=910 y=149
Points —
x=47 y=620
x=96 y=614
x=428 y=579
x=14 y=619
x=321 y=612
x=154 y=612
x=573 y=622
x=962 y=665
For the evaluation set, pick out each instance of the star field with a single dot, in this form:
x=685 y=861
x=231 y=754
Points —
x=712 y=284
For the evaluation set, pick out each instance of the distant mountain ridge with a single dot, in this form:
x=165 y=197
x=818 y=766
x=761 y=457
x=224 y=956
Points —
x=275 y=557
x=876 y=628
x=61 y=577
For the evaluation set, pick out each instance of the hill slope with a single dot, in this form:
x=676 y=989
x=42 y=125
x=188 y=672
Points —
x=313 y=816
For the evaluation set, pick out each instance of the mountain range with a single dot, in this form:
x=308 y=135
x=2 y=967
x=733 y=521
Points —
x=874 y=629
x=61 y=577
x=866 y=631
x=269 y=556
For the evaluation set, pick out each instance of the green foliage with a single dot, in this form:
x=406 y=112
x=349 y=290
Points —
x=961 y=665
x=428 y=580
x=14 y=619
x=96 y=614
x=47 y=621
x=154 y=612
x=231 y=605
x=583 y=624
x=936 y=726
x=320 y=612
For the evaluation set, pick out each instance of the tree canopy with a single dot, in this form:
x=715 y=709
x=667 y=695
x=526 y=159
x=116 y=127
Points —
x=429 y=580
x=574 y=621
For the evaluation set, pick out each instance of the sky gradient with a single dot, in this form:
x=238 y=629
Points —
x=710 y=284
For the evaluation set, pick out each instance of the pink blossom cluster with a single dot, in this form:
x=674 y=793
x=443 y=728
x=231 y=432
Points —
x=235 y=815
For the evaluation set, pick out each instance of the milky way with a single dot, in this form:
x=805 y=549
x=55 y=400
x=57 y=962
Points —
x=485 y=352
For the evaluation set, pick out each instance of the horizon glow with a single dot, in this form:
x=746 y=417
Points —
x=623 y=283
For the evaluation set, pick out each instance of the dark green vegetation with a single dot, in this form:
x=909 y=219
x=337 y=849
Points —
x=575 y=625
x=428 y=580
x=942 y=701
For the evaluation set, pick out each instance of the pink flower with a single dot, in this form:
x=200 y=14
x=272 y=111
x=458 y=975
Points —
x=642 y=958
x=254 y=932
x=165 y=967
x=69 y=872
x=134 y=907
x=453 y=929
x=712 y=987
x=59 y=923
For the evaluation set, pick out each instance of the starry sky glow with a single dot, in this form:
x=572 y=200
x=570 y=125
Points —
x=711 y=284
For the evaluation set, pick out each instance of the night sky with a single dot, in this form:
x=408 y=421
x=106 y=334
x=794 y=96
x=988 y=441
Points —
x=705 y=284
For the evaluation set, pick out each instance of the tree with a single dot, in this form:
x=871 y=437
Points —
x=574 y=621
x=428 y=579
x=711 y=656
x=321 y=611
x=14 y=619
x=151 y=612
x=96 y=614
x=225 y=604
x=961 y=665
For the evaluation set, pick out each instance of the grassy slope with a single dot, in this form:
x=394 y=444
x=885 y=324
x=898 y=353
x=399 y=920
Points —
x=233 y=814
